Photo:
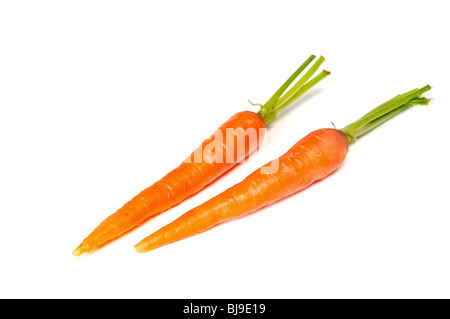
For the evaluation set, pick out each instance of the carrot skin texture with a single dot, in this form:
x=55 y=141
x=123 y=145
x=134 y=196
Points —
x=188 y=178
x=312 y=158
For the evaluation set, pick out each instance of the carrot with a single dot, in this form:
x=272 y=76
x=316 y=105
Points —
x=209 y=161
x=312 y=158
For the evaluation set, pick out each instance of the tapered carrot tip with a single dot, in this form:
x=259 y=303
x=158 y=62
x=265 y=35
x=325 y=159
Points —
x=146 y=245
x=83 y=248
x=140 y=248
x=77 y=252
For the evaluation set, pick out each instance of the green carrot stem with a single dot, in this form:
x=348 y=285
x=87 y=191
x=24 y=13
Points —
x=386 y=104
x=301 y=82
x=302 y=90
x=278 y=102
x=384 y=112
x=273 y=100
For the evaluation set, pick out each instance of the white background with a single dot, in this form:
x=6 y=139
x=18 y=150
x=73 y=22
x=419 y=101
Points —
x=99 y=99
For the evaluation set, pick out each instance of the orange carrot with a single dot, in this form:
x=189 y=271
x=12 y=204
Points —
x=312 y=158
x=210 y=160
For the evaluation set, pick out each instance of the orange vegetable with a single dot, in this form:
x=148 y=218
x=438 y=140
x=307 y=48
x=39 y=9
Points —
x=208 y=162
x=312 y=158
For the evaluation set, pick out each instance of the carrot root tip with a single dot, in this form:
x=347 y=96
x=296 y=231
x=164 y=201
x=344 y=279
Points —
x=80 y=250
x=140 y=249
x=77 y=252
